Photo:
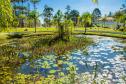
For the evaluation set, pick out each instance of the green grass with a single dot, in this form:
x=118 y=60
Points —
x=29 y=29
x=3 y=37
x=47 y=31
x=101 y=32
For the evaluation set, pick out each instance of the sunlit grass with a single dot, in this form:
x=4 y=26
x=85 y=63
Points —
x=3 y=37
x=29 y=29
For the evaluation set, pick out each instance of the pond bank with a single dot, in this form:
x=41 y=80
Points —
x=27 y=49
x=103 y=34
x=100 y=62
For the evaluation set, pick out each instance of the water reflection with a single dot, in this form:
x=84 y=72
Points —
x=105 y=59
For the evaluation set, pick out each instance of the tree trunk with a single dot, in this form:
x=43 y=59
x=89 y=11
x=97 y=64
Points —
x=85 y=29
x=35 y=17
x=35 y=24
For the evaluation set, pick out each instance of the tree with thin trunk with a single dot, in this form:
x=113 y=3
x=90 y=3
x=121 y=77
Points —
x=67 y=13
x=34 y=2
x=86 y=20
x=47 y=13
x=58 y=17
x=74 y=14
x=96 y=15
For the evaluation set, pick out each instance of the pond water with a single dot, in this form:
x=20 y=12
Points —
x=104 y=59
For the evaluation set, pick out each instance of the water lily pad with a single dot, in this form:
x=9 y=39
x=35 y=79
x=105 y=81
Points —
x=52 y=71
x=61 y=74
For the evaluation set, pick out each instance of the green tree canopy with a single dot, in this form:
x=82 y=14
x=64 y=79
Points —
x=86 y=19
x=67 y=13
x=6 y=16
x=118 y=16
x=47 y=13
x=74 y=14
x=96 y=14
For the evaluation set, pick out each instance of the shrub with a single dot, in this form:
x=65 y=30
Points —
x=15 y=35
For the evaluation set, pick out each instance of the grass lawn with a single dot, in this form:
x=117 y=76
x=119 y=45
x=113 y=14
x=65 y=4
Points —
x=29 y=29
x=101 y=31
x=46 y=31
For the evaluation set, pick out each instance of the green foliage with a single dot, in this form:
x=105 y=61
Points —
x=95 y=1
x=11 y=60
x=86 y=19
x=15 y=35
x=74 y=14
x=118 y=16
x=96 y=14
x=34 y=2
x=58 y=17
x=5 y=13
x=47 y=13
x=67 y=13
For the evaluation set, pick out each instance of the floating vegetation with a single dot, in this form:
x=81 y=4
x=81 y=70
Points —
x=95 y=64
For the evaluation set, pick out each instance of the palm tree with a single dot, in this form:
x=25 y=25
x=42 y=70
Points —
x=34 y=2
x=86 y=20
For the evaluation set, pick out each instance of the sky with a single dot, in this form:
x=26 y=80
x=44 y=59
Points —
x=82 y=5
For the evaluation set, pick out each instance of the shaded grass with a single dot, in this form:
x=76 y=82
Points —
x=51 y=31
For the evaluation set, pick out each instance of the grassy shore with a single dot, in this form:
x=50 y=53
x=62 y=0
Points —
x=50 y=31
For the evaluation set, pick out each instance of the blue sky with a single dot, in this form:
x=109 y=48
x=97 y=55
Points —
x=82 y=5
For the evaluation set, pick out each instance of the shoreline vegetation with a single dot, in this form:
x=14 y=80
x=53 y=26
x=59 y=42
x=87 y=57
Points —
x=14 y=54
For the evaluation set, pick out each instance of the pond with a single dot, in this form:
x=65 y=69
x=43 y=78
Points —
x=104 y=60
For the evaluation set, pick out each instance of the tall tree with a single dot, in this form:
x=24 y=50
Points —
x=6 y=16
x=74 y=14
x=19 y=11
x=58 y=17
x=86 y=20
x=67 y=13
x=96 y=15
x=47 y=13
x=110 y=14
x=34 y=2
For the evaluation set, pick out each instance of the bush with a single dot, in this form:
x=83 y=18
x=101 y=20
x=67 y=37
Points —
x=15 y=35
